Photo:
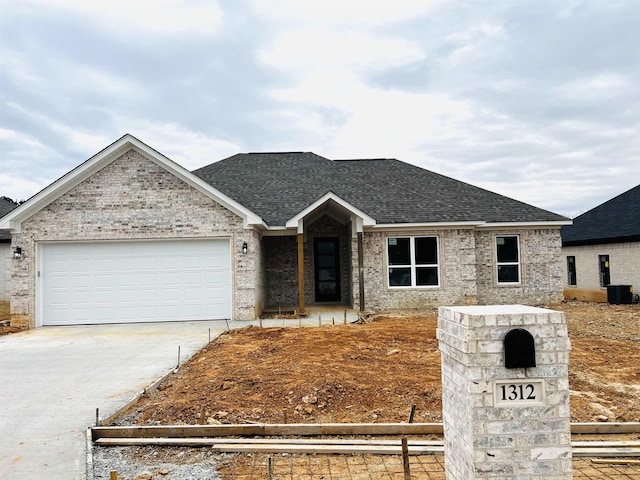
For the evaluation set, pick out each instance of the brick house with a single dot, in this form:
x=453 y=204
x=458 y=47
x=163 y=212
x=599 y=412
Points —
x=6 y=205
x=602 y=248
x=131 y=236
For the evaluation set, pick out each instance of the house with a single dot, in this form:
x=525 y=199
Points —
x=131 y=236
x=602 y=248
x=6 y=205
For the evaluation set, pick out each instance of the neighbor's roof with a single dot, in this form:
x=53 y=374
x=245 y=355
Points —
x=5 y=207
x=614 y=221
x=277 y=186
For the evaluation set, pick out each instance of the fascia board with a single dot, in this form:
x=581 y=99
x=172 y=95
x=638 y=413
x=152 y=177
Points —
x=366 y=219
x=550 y=224
x=413 y=226
x=83 y=171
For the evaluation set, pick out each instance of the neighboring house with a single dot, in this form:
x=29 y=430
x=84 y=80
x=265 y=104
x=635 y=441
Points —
x=131 y=236
x=602 y=248
x=6 y=205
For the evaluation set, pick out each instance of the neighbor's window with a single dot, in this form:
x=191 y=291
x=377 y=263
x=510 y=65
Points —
x=571 y=271
x=605 y=271
x=508 y=259
x=413 y=261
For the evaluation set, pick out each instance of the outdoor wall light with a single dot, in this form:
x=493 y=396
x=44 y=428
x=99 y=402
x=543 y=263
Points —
x=17 y=253
x=245 y=248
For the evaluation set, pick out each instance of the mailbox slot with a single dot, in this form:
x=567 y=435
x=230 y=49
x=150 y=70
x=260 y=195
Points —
x=519 y=349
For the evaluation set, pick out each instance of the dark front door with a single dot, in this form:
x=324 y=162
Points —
x=327 y=269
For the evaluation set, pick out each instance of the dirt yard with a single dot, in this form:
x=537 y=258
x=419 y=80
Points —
x=374 y=372
x=5 y=316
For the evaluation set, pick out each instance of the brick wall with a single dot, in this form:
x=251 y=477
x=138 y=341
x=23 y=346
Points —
x=467 y=270
x=624 y=267
x=484 y=438
x=540 y=263
x=134 y=198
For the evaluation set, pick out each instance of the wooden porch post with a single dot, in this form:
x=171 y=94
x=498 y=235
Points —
x=301 y=273
x=361 y=270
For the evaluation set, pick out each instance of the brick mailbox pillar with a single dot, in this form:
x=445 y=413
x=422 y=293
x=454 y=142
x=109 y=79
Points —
x=505 y=392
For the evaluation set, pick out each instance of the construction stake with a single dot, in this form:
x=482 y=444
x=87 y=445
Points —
x=178 y=357
x=270 y=469
x=319 y=320
x=412 y=413
x=113 y=475
x=405 y=459
x=202 y=413
x=345 y=317
x=333 y=320
x=260 y=322
x=97 y=417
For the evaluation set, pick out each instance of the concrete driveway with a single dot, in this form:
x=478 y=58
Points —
x=52 y=379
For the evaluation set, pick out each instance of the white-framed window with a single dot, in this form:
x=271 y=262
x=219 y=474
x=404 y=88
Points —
x=508 y=259
x=413 y=262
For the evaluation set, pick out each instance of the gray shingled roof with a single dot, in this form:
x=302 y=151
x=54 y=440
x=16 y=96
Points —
x=614 y=221
x=277 y=186
x=5 y=207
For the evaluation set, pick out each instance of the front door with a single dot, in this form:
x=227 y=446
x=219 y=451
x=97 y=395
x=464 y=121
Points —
x=327 y=269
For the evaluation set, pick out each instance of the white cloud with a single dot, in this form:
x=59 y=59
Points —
x=189 y=149
x=159 y=17
x=341 y=12
x=303 y=49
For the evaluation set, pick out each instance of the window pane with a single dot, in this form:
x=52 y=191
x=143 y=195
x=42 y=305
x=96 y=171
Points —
x=507 y=249
x=399 y=252
x=571 y=270
x=400 y=277
x=508 y=273
x=427 y=276
x=426 y=251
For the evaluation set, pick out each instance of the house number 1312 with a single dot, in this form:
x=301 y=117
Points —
x=518 y=392
x=515 y=392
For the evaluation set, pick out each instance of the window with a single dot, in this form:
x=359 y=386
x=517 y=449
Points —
x=605 y=274
x=508 y=259
x=571 y=271
x=413 y=261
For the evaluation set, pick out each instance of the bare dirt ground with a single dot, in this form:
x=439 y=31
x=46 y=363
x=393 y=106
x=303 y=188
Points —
x=370 y=372
x=4 y=315
x=374 y=372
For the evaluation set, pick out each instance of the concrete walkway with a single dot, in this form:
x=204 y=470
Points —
x=52 y=379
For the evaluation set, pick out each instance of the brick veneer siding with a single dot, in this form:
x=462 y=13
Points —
x=281 y=270
x=457 y=272
x=134 y=198
x=508 y=441
x=467 y=270
x=624 y=267
x=540 y=263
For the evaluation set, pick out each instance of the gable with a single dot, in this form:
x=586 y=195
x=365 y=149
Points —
x=110 y=154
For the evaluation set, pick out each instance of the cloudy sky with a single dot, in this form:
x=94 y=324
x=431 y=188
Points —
x=538 y=100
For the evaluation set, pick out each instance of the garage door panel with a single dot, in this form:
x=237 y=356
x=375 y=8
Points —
x=119 y=282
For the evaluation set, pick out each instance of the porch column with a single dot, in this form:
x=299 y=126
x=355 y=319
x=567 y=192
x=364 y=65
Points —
x=361 y=270
x=300 y=272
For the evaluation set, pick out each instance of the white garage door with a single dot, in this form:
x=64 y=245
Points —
x=146 y=281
